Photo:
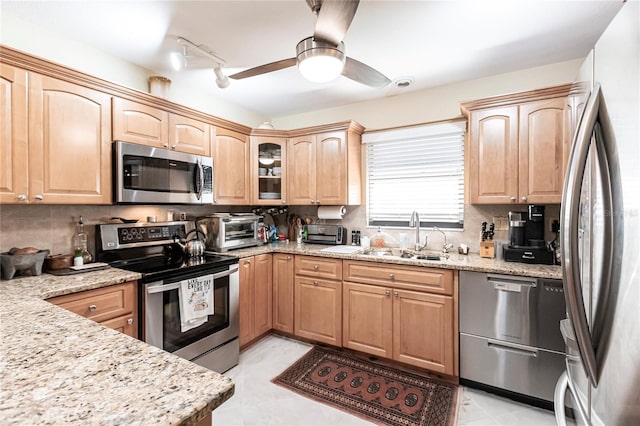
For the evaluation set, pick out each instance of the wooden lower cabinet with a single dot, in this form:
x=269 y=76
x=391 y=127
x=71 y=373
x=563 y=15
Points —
x=386 y=315
x=283 y=279
x=423 y=330
x=114 y=306
x=256 y=295
x=318 y=310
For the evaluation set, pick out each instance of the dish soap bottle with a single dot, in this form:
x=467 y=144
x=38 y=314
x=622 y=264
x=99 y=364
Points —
x=378 y=239
x=81 y=254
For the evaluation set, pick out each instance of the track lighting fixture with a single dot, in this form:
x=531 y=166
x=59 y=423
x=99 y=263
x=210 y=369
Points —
x=179 y=60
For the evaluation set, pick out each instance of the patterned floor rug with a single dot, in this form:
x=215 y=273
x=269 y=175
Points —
x=378 y=393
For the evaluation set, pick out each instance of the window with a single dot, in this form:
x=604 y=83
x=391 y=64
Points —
x=417 y=168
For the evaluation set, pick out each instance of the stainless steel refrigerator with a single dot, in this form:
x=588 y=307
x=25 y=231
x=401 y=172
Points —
x=600 y=233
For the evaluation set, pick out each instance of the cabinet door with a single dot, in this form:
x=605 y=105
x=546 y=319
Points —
x=231 y=168
x=302 y=170
x=138 y=123
x=543 y=134
x=493 y=156
x=318 y=310
x=367 y=319
x=189 y=135
x=263 y=295
x=69 y=143
x=14 y=176
x=283 y=292
x=125 y=325
x=247 y=273
x=423 y=330
x=269 y=170
x=331 y=165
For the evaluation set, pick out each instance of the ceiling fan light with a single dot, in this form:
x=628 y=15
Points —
x=321 y=68
x=320 y=62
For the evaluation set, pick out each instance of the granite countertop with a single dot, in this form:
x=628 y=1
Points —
x=57 y=367
x=471 y=262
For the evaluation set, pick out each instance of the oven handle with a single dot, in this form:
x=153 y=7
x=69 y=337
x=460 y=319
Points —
x=161 y=288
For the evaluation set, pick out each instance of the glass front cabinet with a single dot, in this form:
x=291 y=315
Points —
x=268 y=168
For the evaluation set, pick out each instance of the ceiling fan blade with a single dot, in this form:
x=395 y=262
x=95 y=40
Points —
x=362 y=73
x=263 y=69
x=334 y=19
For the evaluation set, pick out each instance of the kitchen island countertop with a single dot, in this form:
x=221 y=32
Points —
x=57 y=367
x=470 y=262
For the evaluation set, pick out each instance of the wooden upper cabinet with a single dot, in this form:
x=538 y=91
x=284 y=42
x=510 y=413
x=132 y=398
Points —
x=14 y=173
x=493 y=155
x=269 y=170
x=189 y=135
x=325 y=168
x=543 y=141
x=231 y=151
x=69 y=143
x=139 y=123
x=518 y=146
x=302 y=170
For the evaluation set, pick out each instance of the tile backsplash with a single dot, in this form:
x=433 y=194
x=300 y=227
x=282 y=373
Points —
x=52 y=226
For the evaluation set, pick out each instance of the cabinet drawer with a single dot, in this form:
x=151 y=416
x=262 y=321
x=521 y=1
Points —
x=319 y=267
x=101 y=304
x=404 y=277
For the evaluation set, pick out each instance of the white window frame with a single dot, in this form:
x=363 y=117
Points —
x=403 y=163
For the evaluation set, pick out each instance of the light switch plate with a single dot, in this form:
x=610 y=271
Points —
x=501 y=222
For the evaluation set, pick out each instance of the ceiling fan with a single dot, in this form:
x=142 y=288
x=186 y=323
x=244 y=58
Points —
x=321 y=58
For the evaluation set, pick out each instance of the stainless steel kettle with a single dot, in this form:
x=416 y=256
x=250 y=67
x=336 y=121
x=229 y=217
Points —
x=195 y=246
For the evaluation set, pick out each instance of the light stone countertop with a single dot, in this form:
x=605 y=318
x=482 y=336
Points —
x=471 y=262
x=57 y=367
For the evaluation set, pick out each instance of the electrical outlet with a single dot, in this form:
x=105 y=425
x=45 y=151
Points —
x=501 y=222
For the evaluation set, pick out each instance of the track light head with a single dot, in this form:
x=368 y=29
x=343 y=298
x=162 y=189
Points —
x=221 y=79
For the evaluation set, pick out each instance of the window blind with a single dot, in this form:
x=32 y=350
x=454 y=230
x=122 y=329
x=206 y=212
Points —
x=418 y=168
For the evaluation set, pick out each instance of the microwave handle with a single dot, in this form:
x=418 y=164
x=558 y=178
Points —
x=161 y=288
x=200 y=179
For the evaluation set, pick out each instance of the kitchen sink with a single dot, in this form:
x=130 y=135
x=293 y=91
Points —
x=404 y=255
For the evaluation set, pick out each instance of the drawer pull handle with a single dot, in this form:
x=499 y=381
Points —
x=512 y=347
x=315 y=267
x=315 y=283
x=387 y=293
x=92 y=308
x=392 y=277
x=130 y=321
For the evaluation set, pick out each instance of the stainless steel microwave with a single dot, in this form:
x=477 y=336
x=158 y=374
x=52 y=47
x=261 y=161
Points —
x=148 y=175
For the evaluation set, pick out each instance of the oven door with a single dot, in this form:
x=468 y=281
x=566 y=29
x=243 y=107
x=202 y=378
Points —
x=161 y=315
x=153 y=175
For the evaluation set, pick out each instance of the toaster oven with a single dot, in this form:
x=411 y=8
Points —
x=228 y=231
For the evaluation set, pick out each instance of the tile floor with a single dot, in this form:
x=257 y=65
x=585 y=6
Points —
x=257 y=401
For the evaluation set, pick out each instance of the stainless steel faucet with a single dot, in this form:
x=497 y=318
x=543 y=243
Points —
x=445 y=246
x=414 y=221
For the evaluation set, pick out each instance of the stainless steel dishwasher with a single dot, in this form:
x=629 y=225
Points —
x=510 y=334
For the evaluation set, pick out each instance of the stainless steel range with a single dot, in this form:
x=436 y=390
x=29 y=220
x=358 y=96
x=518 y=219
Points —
x=152 y=249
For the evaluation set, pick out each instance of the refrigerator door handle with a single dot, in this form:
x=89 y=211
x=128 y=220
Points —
x=570 y=212
x=562 y=386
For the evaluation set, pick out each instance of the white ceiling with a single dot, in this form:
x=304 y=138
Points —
x=432 y=42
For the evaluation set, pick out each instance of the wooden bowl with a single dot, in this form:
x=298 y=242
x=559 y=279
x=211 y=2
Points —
x=58 y=261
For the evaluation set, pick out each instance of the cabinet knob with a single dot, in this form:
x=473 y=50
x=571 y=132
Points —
x=215 y=201
x=288 y=257
x=387 y=293
x=524 y=198
x=315 y=283
x=392 y=277
x=166 y=145
x=315 y=267
x=395 y=293
x=174 y=146
x=92 y=308
x=284 y=201
x=39 y=197
x=513 y=198
x=247 y=263
x=130 y=321
x=22 y=197
x=317 y=201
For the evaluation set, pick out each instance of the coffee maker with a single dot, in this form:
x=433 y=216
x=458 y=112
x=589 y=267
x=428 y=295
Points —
x=526 y=237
